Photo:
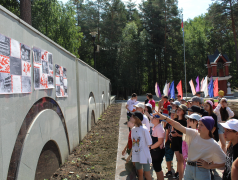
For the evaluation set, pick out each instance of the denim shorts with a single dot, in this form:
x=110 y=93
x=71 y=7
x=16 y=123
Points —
x=220 y=128
x=169 y=153
x=146 y=167
x=196 y=173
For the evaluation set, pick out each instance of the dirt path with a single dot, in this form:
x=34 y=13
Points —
x=95 y=157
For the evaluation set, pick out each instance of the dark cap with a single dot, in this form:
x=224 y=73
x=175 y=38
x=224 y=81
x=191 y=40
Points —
x=208 y=121
x=178 y=95
x=198 y=92
x=166 y=97
x=196 y=99
x=138 y=114
x=195 y=109
x=183 y=107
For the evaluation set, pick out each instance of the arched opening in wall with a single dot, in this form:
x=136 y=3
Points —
x=103 y=103
x=39 y=106
x=92 y=118
x=91 y=113
x=48 y=162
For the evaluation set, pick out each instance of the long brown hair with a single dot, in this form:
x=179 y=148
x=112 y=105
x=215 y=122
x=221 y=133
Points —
x=210 y=134
x=210 y=112
x=224 y=114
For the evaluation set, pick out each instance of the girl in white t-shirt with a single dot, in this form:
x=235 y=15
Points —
x=157 y=149
x=141 y=141
x=204 y=152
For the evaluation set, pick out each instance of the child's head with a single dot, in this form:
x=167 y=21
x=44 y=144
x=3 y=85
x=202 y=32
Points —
x=155 y=120
x=173 y=114
x=140 y=107
x=134 y=96
x=181 y=111
x=150 y=96
x=208 y=106
x=231 y=129
x=136 y=118
x=221 y=93
x=192 y=120
x=205 y=126
x=148 y=108
x=175 y=105
x=171 y=100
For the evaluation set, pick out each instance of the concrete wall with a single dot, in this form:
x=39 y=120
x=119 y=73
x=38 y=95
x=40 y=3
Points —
x=25 y=126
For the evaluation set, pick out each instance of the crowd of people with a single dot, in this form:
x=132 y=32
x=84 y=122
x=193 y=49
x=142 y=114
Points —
x=201 y=136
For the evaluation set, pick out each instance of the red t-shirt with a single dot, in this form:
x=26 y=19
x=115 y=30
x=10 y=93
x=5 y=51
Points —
x=129 y=141
x=165 y=105
x=152 y=102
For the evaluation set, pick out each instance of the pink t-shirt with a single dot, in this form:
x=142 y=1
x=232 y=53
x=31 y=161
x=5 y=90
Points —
x=152 y=102
x=158 y=131
x=184 y=152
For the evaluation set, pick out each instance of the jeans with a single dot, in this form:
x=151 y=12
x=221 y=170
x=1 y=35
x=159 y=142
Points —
x=196 y=173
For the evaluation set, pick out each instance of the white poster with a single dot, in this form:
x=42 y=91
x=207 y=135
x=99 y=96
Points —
x=15 y=49
x=61 y=81
x=16 y=84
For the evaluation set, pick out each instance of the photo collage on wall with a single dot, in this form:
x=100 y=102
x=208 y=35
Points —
x=43 y=69
x=15 y=66
x=61 y=81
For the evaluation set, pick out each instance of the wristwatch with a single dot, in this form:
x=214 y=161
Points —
x=150 y=147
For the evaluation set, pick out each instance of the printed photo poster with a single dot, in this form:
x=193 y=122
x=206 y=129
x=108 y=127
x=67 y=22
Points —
x=15 y=66
x=43 y=69
x=61 y=81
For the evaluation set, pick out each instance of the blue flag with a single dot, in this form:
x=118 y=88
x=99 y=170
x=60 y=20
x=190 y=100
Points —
x=172 y=91
x=210 y=88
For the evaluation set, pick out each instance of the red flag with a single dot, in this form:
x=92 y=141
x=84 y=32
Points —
x=182 y=23
x=179 y=88
x=215 y=90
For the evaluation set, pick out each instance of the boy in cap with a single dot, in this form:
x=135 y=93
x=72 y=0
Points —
x=230 y=134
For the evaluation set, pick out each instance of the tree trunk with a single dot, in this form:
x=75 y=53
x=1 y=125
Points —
x=234 y=32
x=25 y=11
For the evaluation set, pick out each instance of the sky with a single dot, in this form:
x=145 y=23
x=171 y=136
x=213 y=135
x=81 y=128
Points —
x=191 y=8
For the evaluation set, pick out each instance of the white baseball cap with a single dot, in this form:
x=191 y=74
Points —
x=148 y=104
x=231 y=124
x=194 y=116
x=141 y=105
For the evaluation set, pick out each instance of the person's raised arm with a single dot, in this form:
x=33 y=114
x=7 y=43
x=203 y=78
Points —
x=234 y=170
x=173 y=123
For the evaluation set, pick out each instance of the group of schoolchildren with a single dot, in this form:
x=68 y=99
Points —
x=189 y=129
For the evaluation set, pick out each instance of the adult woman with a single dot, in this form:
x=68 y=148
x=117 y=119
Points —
x=176 y=144
x=208 y=106
x=223 y=113
x=204 y=153
x=157 y=150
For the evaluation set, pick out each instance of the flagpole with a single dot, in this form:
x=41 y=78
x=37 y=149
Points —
x=184 y=61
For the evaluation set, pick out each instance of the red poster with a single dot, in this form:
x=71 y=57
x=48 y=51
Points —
x=4 y=64
x=43 y=81
x=26 y=69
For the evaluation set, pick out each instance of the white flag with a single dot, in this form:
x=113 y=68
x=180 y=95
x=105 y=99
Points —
x=165 y=91
x=205 y=87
